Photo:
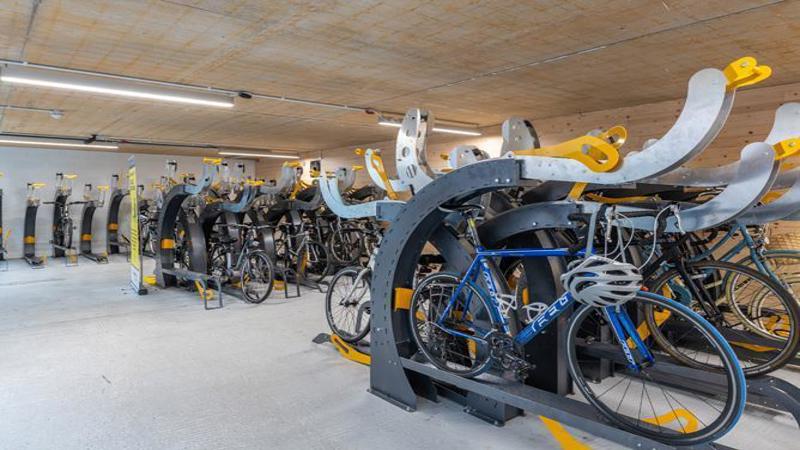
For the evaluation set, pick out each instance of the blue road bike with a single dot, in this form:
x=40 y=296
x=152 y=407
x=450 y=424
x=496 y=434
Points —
x=460 y=323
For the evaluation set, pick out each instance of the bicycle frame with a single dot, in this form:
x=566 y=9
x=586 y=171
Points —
x=747 y=242
x=618 y=318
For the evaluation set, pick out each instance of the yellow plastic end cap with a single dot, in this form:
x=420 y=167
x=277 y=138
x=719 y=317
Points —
x=616 y=135
x=444 y=156
x=357 y=167
x=744 y=72
x=70 y=176
x=292 y=164
x=786 y=148
x=359 y=151
x=212 y=161
x=38 y=185
x=103 y=187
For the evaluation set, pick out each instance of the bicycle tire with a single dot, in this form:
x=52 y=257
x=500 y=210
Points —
x=482 y=362
x=735 y=388
x=333 y=319
x=787 y=301
x=264 y=265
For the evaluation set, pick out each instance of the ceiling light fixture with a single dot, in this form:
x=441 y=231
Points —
x=110 y=86
x=397 y=124
x=44 y=143
x=258 y=155
x=456 y=131
x=389 y=123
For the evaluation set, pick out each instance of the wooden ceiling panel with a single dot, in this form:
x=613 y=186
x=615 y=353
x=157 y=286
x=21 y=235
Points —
x=469 y=61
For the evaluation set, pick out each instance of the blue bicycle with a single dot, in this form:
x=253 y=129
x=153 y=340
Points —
x=461 y=324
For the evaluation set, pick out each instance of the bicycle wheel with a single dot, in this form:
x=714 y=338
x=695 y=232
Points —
x=348 y=305
x=312 y=261
x=757 y=316
x=783 y=264
x=257 y=277
x=470 y=316
x=345 y=245
x=647 y=401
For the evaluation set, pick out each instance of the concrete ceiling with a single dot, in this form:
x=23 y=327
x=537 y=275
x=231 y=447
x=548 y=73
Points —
x=473 y=61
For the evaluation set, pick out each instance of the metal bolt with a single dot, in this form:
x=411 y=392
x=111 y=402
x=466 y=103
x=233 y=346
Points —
x=497 y=180
x=534 y=224
x=508 y=180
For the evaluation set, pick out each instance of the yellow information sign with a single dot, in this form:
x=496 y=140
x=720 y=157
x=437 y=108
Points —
x=135 y=246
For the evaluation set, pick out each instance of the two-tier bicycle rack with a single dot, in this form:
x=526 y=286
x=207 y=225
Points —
x=172 y=211
x=397 y=376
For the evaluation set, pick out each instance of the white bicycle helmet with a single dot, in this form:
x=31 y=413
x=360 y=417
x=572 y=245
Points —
x=599 y=281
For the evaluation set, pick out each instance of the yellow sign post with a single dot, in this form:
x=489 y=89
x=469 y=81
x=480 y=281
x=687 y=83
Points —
x=135 y=246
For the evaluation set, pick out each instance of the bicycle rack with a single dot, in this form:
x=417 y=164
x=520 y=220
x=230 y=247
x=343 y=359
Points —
x=396 y=376
x=62 y=244
x=91 y=203
x=29 y=237
x=330 y=191
x=113 y=236
x=171 y=213
x=3 y=260
x=227 y=212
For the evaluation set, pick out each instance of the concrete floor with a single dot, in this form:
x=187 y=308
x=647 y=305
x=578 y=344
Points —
x=84 y=363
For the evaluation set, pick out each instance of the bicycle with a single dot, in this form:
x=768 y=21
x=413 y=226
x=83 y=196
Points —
x=251 y=265
x=296 y=247
x=461 y=329
x=749 y=305
x=63 y=225
x=348 y=305
x=756 y=313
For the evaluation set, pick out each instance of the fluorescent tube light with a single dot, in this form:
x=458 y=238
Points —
x=388 y=123
x=456 y=131
x=258 y=155
x=391 y=123
x=111 y=86
x=36 y=143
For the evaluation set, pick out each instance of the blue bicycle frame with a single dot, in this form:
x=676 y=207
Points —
x=746 y=242
x=621 y=323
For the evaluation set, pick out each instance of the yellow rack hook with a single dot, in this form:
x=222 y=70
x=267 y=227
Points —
x=786 y=148
x=744 y=72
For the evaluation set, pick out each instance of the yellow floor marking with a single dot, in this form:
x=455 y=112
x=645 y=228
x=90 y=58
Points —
x=564 y=438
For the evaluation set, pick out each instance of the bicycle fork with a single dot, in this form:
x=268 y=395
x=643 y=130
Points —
x=622 y=325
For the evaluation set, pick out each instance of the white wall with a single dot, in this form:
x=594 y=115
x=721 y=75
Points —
x=24 y=165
